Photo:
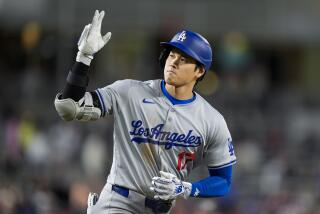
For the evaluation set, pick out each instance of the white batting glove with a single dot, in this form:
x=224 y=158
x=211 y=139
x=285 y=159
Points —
x=92 y=200
x=169 y=187
x=91 y=40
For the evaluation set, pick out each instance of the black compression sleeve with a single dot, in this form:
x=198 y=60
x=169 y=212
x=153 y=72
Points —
x=77 y=82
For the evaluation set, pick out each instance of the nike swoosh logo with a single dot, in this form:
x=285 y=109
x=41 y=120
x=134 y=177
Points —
x=147 y=101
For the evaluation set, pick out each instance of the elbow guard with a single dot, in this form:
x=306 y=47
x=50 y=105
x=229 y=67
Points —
x=83 y=110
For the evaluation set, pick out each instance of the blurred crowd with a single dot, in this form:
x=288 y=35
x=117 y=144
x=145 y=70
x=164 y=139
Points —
x=49 y=166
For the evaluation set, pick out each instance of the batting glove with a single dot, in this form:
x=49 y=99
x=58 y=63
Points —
x=92 y=200
x=91 y=41
x=169 y=187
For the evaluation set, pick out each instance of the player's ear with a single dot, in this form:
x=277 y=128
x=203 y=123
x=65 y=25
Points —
x=199 y=71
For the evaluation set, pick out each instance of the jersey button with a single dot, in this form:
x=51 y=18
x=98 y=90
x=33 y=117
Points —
x=169 y=119
x=172 y=110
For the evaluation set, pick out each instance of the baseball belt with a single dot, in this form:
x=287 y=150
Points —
x=157 y=206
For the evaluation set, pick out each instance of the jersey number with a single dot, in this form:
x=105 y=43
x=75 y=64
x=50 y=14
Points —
x=184 y=158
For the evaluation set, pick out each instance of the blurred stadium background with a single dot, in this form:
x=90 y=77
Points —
x=264 y=80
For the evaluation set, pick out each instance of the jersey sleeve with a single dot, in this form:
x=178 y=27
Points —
x=112 y=96
x=220 y=152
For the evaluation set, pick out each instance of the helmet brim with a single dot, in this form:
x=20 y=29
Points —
x=182 y=48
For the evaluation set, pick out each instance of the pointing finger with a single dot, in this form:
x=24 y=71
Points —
x=95 y=19
x=101 y=15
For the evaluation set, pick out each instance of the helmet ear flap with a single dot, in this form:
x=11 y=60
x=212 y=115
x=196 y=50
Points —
x=163 y=57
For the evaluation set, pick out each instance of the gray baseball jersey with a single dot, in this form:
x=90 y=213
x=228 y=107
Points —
x=152 y=134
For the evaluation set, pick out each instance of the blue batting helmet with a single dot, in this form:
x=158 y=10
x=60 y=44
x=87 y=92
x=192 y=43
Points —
x=193 y=45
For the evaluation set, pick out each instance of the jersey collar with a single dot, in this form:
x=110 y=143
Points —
x=174 y=100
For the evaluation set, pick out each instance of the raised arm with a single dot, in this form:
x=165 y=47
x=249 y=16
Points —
x=74 y=103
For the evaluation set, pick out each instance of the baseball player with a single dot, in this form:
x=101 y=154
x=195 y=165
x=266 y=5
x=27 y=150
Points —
x=163 y=129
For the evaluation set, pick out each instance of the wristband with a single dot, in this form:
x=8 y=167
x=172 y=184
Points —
x=84 y=58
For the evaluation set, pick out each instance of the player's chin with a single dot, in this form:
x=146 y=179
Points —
x=172 y=82
x=169 y=79
x=168 y=76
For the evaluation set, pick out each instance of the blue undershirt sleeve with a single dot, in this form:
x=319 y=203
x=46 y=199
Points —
x=216 y=185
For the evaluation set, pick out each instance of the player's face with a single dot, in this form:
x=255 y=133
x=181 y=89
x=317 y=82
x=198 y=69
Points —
x=180 y=69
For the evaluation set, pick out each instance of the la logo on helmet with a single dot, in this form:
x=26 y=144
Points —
x=182 y=36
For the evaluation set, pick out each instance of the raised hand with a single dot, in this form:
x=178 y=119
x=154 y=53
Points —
x=91 y=40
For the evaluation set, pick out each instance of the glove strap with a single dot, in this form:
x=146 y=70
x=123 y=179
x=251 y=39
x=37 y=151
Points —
x=187 y=189
x=84 y=58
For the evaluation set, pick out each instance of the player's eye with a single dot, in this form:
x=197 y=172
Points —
x=183 y=59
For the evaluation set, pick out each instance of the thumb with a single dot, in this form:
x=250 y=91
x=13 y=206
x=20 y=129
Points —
x=106 y=37
x=167 y=175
